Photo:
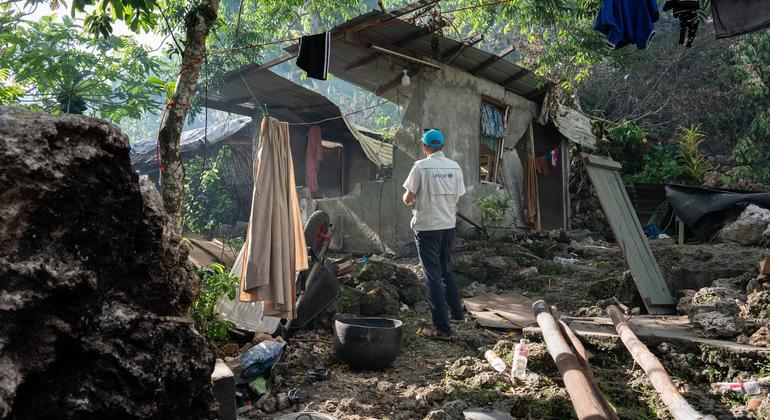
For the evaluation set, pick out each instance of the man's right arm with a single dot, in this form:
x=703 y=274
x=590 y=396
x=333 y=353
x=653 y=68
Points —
x=412 y=185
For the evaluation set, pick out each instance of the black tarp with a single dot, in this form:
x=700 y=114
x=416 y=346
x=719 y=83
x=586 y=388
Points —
x=703 y=210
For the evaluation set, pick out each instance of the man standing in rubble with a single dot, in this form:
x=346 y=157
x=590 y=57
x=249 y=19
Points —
x=433 y=187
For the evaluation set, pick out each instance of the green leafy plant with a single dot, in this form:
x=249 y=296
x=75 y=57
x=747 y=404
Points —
x=660 y=167
x=692 y=162
x=208 y=202
x=493 y=209
x=217 y=283
x=624 y=143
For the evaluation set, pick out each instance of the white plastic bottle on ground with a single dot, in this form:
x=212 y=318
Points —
x=520 y=355
x=497 y=363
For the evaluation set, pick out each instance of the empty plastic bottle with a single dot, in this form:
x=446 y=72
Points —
x=565 y=261
x=520 y=355
x=750 y=387
x=497 y=363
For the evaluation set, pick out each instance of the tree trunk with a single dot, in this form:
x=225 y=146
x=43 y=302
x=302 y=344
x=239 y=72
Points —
x=198 y=23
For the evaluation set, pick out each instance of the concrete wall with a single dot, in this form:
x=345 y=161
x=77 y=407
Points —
x=373 y=219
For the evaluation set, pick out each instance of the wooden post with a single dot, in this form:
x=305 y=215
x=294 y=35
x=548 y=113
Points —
x=680 y=230
x=531 y=152
x=679 y=408
x=588 y=405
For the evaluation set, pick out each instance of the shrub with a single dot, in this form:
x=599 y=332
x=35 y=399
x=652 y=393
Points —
x=208 y=203
x=217 y=283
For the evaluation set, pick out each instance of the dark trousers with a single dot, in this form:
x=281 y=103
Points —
x=434 y=248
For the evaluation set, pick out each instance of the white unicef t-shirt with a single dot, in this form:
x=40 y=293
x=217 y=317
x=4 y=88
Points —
x=437 y=183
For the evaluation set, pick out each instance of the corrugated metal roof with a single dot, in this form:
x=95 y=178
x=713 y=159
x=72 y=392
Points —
x=283 y=98
x=351 y=46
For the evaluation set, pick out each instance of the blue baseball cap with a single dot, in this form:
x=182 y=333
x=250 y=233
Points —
x=433 y=138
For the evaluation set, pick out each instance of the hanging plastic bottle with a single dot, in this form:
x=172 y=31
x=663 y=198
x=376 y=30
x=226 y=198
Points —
x=520 y=355
x=497 y=363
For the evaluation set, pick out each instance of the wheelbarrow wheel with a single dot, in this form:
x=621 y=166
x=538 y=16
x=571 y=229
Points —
x=316 y=229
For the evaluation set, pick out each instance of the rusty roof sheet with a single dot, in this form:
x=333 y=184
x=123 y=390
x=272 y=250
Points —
x=351 y=45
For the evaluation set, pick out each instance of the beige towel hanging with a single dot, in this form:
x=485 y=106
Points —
x=275 y=244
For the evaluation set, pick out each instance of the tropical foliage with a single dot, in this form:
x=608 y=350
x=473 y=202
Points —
x=53 y=66
x=217 y=283
x=208 y=202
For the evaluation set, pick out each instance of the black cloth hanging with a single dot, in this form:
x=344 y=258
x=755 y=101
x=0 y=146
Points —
x=687 y=13
x=738 y=17
x=313 y=55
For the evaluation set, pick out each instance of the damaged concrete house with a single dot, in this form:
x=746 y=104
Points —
x=492 y=110
x=351 y=153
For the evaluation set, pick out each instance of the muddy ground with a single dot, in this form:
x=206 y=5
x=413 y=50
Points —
x=438 y=380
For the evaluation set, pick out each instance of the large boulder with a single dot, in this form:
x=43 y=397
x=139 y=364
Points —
x=95 y=284
x=751 y=227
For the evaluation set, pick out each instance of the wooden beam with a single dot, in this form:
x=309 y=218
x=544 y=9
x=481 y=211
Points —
x=537 y=92
x=518 y=75
x=449 y=55
x=494 y=59
x=236 y=109
x=421 y=33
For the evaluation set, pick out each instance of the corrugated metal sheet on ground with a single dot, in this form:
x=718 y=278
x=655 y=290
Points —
x=611 y=191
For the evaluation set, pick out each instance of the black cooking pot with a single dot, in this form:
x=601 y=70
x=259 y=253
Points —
x=367 y=343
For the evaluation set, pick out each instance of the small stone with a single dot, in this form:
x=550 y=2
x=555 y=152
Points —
x=528 y=272
x=437 y=415
x=421 y=307
x=761 y=338
x=754 y=404
x=384 y=386
x=268 y=403
x=283 y=401
x=431 y=394
x=454 y=409
x=245 y=409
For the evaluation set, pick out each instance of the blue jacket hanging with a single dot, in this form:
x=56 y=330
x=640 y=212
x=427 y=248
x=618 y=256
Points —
x=626 y=22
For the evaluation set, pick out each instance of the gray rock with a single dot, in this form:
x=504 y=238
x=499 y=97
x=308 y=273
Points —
x=93 y=275
x=431 y=394
x=268 y=403
x=437 y=415
x=685 y=302
x=714 y=312
x=283 y=401
x=749 y=228
x=759 y=304
x=454 y=409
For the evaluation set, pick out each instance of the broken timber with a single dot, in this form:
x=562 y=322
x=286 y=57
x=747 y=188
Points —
x=606 y=180
x=589 y=404
x=679 y=408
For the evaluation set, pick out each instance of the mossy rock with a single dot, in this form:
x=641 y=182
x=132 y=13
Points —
x=348 y=302
x=378 y=298
x=405 y=282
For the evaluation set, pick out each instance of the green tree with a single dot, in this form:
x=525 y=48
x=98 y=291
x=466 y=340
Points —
x=55 y=67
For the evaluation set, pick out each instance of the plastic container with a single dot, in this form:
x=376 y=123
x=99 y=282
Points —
x=520 y=355
x=497 y=363
x=565 y=261
x=750 y=387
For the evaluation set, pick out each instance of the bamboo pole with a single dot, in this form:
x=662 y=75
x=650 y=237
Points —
x=679 y=408
x=587 y=403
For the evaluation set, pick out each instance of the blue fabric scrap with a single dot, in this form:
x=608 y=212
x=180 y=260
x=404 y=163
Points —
x=626 y=22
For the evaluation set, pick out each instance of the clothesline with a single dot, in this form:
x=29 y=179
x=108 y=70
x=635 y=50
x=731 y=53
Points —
x=341 y=116
x=371 y=25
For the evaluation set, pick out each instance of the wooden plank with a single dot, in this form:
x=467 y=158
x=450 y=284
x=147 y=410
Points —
x=625 y=225
x=652 y=330
x=421 y=33
x=513 y=307
x=575 y=126
x=518 y=75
